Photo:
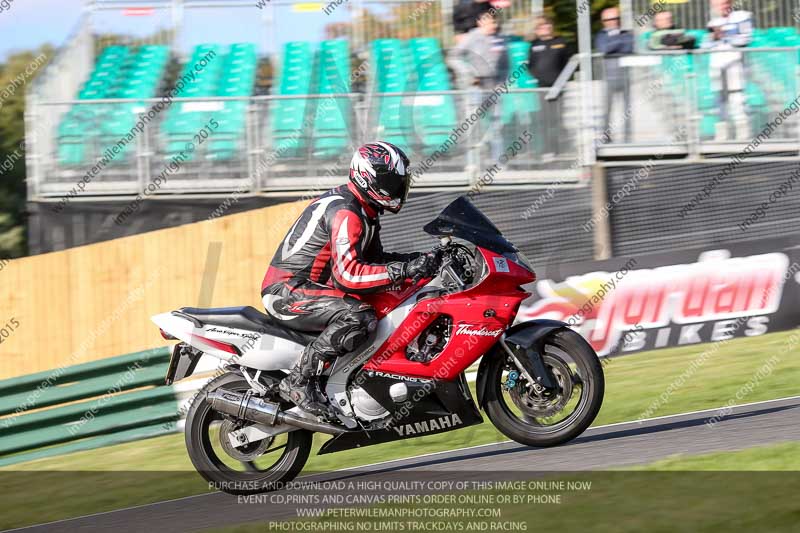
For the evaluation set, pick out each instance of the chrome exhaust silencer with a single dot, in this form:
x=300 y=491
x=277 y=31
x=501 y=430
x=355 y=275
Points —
x=244 y=406
x=254 y=409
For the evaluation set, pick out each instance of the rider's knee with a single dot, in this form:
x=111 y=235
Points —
x=357 y=325
x=367 y=318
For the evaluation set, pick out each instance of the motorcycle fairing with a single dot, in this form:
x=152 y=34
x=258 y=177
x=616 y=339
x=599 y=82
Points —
x=446 y=407
x=385 y=302
x=182 y=363
x=259 y=350
x=253 y=349
x=343 y=366
x=480 y=315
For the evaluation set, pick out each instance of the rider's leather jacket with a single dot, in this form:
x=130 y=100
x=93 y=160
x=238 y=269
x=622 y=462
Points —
x=335 y=242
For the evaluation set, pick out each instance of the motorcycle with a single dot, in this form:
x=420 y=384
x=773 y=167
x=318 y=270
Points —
x=539 y=382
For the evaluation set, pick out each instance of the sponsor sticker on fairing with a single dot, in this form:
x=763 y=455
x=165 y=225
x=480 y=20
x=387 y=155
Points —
x=500 y=264
x=475 y=331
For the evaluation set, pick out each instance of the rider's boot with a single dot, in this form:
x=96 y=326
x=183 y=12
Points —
x=300 y=386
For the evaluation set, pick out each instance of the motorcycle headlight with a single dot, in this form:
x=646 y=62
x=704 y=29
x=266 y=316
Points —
x=520 y=259
x=481 y=268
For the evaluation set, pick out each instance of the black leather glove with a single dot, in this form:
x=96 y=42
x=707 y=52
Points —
x=425 y=265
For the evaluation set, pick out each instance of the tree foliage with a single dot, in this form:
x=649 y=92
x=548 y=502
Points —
x=423 y=19
x=565 y=15
x=16 y=74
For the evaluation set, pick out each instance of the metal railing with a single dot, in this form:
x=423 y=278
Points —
x=271 y=143
x=691 y=103
x=86 y=406
x=60 y=80
x=697 y=101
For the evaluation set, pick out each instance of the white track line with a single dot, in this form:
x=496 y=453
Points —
x=349 y=469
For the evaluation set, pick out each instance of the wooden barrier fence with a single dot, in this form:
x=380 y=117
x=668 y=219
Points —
x=89 y=302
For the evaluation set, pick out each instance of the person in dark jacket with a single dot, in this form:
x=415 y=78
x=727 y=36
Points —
x=548 y=54
x=547 y=57
x=613 y=41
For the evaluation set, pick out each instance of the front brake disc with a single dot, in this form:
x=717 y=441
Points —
x=545 y=403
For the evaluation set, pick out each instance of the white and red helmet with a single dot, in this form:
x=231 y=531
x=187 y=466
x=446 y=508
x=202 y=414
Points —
x=380 y=171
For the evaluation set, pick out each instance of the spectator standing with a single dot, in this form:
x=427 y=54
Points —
x=729 y=26
x=480 y=62
x=547 y=57
x=666 y=36
x=548 y=54
x=729 y=29
x=481 y=57
x=465 y=16
x=612 y=41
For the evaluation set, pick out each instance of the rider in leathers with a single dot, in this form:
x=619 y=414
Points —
x=333 y=252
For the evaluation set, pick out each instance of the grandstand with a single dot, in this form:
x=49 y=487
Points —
x=274 y=114
x=309 y=119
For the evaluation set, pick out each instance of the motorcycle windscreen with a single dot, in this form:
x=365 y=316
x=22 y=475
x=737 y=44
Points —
x=461 y=219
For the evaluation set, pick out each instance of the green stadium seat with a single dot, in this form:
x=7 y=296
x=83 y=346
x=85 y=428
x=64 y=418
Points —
x=391 y=72
x=71 y=153
x=644 y=39
x=287 y=117
x=434 y=115
x=520 y=105
x=230 y=73
x=518 y=110
x=119 y=72
x=782 y=35
x=707 y=97
x=331 y=130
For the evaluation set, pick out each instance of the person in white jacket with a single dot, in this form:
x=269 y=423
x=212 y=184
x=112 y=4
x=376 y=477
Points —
x=729 y=30
x=729 y=26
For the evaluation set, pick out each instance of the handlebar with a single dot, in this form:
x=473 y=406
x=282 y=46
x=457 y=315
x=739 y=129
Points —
x=456 y=256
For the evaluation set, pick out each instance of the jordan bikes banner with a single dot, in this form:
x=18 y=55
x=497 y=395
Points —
x=626 y=305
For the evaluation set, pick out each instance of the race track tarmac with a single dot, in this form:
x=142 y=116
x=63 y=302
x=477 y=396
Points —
x=603 y=447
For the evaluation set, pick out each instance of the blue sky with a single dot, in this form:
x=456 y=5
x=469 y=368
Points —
x=27 y=24
x=22 y=25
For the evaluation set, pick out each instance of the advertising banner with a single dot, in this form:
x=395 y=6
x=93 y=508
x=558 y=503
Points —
x=625 y=305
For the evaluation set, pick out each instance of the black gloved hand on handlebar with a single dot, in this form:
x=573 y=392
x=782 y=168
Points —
x=425 y=265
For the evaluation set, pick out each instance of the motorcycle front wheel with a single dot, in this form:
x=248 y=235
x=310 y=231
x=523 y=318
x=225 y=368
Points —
x=530 y=415
x=259 y=466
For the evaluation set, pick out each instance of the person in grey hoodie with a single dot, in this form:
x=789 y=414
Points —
x=613 y=41
x=481 y=57
x=480 y=63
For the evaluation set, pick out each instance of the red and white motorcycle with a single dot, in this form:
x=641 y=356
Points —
x=539 y=382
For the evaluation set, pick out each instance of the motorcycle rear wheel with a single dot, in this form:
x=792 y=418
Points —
x=217 y=467
x=574 y=365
